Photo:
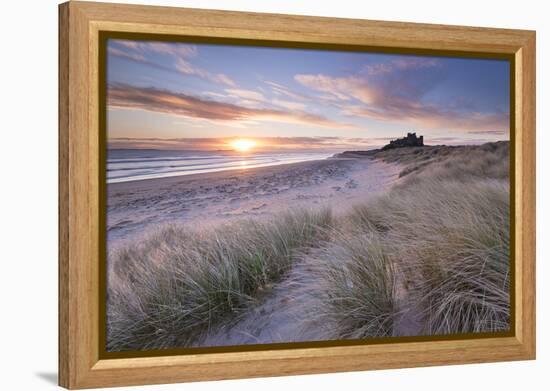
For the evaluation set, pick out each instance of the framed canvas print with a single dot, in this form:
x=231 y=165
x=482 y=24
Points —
x=248 y=195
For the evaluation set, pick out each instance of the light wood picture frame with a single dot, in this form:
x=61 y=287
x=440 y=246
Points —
x=83 y=364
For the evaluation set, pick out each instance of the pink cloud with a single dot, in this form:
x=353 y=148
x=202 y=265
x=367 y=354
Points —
x=391 y=92
x=320 y=143
x=167 y=102
x=288 y=104
x=245 y=94
x=343 y=88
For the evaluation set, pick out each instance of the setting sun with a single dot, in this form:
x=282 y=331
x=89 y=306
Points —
x=243 y=145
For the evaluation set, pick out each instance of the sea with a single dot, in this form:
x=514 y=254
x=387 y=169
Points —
x=125 y=165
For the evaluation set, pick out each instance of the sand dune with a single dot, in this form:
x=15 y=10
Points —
x=325 y=250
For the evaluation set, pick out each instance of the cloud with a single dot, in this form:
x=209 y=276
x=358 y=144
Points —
x=246 y=94
x=365 y=89
x=208 y=123
x=402 y=63
x=174 y=49
x=320 y=143
x=220 y=143
x=281 y=90
x=343 y=88
x=170 y=143
x=141 y=51
x=168 y=102
x=455 y=141
x=121 y=53
x=288 y=104
x=253 y=98
x=185 y=67
x=433 y=116
x=395 y=91
x=214 y=94
x=489 y=132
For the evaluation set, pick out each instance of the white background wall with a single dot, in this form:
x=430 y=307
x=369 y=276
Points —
x=28 y=214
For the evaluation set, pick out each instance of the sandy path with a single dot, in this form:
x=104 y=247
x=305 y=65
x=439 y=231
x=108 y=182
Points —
x=287 y=314
x=282 y=316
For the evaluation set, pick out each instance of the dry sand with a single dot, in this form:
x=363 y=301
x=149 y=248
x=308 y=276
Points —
x=205 y=199
x=283 y=315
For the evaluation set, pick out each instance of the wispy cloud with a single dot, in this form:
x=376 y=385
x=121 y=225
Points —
x=174 y=49
x=489 y=132
x=254 y=98
x=281 y=90
x=287 y=104
x=456 y=140
x=121 y=53
x=185 y=67
x=246 y=94
x=401 y=64
x=433 y=116
x=143 y=51
x=342 y=88
x=168 y=102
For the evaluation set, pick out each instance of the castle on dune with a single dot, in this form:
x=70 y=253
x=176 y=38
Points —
x=410 y=141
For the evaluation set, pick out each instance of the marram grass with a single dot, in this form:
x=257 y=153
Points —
x=175 y=285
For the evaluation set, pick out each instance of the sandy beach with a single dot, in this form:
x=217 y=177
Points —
x=136 y=207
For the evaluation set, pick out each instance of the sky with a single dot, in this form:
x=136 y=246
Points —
x=182 y=96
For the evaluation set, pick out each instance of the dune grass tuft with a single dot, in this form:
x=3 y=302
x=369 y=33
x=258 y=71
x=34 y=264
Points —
x=446 y=227
x=177 y=284
x=445 y=244
x=354 y=284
